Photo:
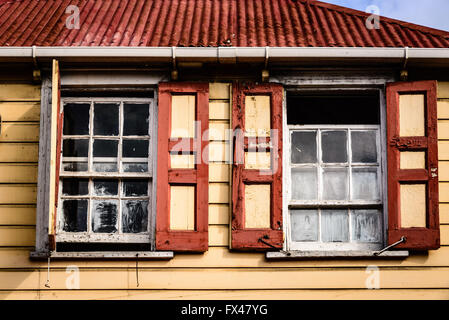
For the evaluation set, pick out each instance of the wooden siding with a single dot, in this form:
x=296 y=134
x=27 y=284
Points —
x=217 y=274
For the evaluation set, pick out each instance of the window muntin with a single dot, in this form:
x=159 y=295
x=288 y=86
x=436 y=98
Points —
x=106 y=171
x=335 y=194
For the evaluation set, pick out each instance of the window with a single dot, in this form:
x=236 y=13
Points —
x=106 y=172
x=335 y=193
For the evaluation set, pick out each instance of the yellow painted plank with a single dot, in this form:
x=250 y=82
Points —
x=20 y=111
x=443 y=129
x=219 y=193
x=444 y=192
x=17 y=236
x=444 y=214
x=443 y=150
x=258 y=160
x=182 y=208
x=257 y=116
x=218 y=110
x=413 y=205
x=17 y=215
x=218 y=236
x=444 y=230
x=218 y=152
x=19 y=152
x=20 y=92
x=218 y=130
x=222 y=257
x=219 y=214
x=443 y=170
x=19 y=132
x=219 y=90
x=443 y=90
x=183 y=116
x=18 y=194
x=443 y=109
x=182 y=161
x=412 y=160
x=18 y=173
x=219 y=172
x=231 y=279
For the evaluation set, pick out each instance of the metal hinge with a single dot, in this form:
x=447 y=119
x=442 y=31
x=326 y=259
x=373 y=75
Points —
x=403 y=240
x=270 y=245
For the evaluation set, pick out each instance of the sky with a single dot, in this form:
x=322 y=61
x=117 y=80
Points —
x=430 y=13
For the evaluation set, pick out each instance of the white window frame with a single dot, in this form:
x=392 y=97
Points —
x=90 y=237
x=289 y=245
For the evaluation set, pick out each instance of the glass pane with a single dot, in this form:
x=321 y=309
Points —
x=136 y=119
x=74 y=215
x=334 y=146
x=105 y=148
x=135 y=216
x=365 y=185
x=304 y=224
x=364 y=146
x=135 y=148
x=135 y=167
x=105 y=187
x=334 y=226
x=74 y=166
x=104 y=216
x=304 y=184
x=76 y=119
x=304 y=147
x=335 y=184
x=135 y=188
x=366 y=226
x=105 y=167
x=75 y=148
x=106 y=119
x=74 y=187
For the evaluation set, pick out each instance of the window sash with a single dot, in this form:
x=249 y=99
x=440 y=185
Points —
x=119 y=237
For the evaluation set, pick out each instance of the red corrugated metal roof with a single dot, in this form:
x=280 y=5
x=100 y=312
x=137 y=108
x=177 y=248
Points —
x=202 y=23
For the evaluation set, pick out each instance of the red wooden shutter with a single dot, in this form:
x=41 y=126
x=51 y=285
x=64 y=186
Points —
x=270 y=236
x=56 y=136
x=195 y=240
x=413 y=137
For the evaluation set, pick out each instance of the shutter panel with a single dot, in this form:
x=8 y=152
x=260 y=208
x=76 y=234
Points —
x=257 y=167
x=413 y=165
x=55 y=156
x=182 y=185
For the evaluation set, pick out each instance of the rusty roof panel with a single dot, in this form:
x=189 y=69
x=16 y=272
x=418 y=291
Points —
x=205 y=23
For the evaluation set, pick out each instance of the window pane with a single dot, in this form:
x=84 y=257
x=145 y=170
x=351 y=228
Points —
x=135 y=188
x=74 y=166
x=76 y=119
x=135 y=216
x=366 y=226
x=304 y=147
x=106 y=119
x=105 y=187
x=365 y=184
x=74 y=215
x=74 y=187
x=135 y=148
x=304 y=225
x=105 y=167
x=105 y=148
x=75 y=148
x=104 y=216
x=334 y=226
x=364 y=146
x=335 y=184
x=304 y=184
x=136 y=119
x=135 y=167
x=334 y=146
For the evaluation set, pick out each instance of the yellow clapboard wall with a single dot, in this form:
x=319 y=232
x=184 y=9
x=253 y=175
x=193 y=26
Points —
x=216 y=274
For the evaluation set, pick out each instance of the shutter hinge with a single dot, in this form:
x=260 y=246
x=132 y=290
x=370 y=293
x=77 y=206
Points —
x=403 y=240
x=270 y=245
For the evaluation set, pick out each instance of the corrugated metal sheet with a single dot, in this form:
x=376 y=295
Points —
x=200 y=23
